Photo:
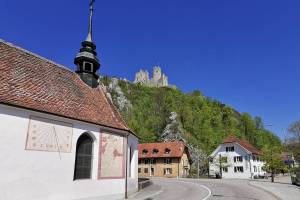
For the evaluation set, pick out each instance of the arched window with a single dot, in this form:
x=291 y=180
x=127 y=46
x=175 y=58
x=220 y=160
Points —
x=84 y=153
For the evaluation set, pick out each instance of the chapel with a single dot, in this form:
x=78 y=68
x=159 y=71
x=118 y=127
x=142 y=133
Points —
x=60 y=135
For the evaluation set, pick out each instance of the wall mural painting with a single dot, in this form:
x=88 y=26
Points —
x=111 y=155
x=49 y=135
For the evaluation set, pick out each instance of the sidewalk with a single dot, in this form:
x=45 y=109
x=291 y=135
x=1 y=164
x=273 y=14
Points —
x=282 y=188
x=147 y=193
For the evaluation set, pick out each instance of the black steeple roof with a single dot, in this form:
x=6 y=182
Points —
x=86 y=60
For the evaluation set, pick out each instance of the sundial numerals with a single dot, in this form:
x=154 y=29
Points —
x=49 y=135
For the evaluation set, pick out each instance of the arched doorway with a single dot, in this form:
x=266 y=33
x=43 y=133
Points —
x=84 y=156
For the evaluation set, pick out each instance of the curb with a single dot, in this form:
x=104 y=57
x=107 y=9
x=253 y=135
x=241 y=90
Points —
x=267 y=191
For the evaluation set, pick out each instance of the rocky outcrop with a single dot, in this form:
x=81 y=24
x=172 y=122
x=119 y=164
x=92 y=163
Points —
x=118 y=97
x=174 y=132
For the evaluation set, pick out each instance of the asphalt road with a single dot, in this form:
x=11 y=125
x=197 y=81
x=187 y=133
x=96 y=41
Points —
x=234 y=190
x=204 y=189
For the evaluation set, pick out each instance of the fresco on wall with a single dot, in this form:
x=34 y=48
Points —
x=111 y=155
x=49 y=135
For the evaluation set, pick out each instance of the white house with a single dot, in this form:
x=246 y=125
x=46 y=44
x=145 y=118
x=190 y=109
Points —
x=61 y=138
x=236 y=158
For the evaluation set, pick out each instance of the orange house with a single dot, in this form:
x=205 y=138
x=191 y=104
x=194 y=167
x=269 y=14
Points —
x=169 y=159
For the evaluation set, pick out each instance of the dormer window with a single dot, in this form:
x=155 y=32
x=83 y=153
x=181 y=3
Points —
x=167 y=151
x=145 y=151
x=87 y=66
x=155 y=151
x=230 y=149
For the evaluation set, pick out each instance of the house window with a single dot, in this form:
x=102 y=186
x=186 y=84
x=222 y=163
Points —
x=225 y=169
x=140 y=170
x=167 y=171
x=140 y=161
x=224 y=159
x=167 y=151
x=255 y=168
x=238 y=169
x=155 y=151
x=147 y=161
x=146 y=171
x=153 y=161
x=255 y=158
x=230 y=149
x=238 y=159
x=168 y=161
x=84 y=154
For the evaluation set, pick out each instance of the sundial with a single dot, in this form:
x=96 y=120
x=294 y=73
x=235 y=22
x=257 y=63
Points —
x=49 y=135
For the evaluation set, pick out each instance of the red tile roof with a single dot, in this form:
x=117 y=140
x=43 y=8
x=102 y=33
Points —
x=176 y=150
x=243 y=143
x=32 y=82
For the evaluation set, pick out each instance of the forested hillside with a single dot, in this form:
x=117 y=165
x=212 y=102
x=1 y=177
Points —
x=204 y=122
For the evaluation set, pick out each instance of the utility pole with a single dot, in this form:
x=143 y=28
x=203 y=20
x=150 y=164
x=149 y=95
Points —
x=220 y=162
x=198 y=171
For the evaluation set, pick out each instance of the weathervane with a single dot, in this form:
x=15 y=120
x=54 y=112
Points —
x=89 y=37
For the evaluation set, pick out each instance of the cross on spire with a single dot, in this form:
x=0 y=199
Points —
x=86 y=60
x=90 y=32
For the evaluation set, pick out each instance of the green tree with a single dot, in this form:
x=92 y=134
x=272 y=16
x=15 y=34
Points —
x=222 y=163
x=206 y=121
x=274 y=164
x=293 y=141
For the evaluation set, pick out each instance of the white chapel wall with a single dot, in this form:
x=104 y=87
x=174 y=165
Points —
x=28 y=174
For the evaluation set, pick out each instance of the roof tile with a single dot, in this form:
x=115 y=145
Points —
x=32 y=82
x=243 y=143
x=176 y=150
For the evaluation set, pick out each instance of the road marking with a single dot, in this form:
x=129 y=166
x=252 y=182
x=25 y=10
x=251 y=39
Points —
x=203 y=186
x=209 y=192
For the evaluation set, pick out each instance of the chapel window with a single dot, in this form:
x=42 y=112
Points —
x=84 y=154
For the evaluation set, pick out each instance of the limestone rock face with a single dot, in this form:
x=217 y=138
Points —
x=174 y=132
x=123 y=104
x=158 y=80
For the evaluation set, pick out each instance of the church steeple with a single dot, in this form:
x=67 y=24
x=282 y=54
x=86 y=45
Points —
x=86 y=60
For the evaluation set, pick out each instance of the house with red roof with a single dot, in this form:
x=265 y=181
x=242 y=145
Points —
x=60 y=135
x=166 y=159
x=236 y=158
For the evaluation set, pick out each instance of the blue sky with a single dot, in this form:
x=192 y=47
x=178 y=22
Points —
x=243 y=53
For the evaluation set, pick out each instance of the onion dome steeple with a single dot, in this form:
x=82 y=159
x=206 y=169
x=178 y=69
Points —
x=86 y=60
